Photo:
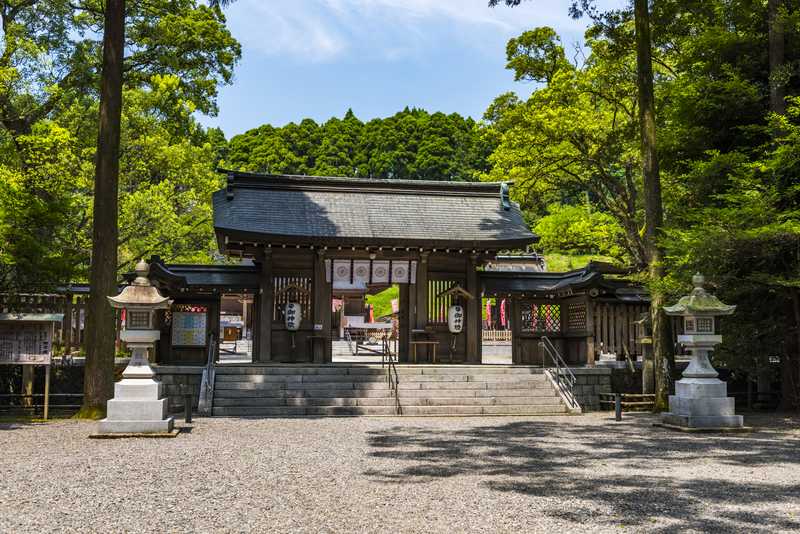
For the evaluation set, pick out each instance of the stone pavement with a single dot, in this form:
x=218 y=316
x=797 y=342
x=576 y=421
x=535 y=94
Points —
x=531 y=474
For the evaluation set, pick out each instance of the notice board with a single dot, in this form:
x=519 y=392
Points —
x=25 y=343
x=189 y=329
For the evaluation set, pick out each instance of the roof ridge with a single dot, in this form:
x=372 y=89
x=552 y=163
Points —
x=277 y=178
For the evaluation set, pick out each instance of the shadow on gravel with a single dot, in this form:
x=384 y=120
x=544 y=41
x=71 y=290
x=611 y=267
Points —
x=566 y=459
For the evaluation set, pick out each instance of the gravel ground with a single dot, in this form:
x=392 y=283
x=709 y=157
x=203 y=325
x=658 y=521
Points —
x=544 y=474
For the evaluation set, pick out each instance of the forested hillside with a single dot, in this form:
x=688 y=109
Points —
x=410 y=145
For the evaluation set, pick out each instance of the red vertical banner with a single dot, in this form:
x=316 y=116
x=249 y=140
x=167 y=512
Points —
x=503 y=313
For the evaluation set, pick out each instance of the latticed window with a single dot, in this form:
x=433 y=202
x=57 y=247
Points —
x=576 y=318
x=282 y=295
x=438 y=306
x=540 y=318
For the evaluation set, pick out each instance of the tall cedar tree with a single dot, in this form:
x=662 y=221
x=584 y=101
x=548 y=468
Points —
x=662 y=346
x=777 y=105
x=654 y=212
x=100 y=329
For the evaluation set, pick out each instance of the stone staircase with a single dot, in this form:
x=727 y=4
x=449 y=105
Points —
x=347 y=390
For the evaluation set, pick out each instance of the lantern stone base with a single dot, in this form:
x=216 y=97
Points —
x=702 y=403
x=137 y=407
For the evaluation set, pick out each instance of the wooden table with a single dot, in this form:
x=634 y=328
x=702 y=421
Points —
x=430 y=344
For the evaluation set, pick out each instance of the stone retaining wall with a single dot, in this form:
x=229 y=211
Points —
x=589 y=383
x=174 y=377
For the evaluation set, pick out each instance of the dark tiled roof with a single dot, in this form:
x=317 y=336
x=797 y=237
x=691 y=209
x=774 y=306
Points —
x=547 y=283
x=211 y=276
x=301 y=209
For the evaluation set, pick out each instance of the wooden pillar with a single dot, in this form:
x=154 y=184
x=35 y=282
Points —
x=421 y=289
x=590 y=332
x=27 y=384
x=403 y=349
x=516 y=341
x=473 y=323
x=66 y=331
x=322 y=311
x=265 y=305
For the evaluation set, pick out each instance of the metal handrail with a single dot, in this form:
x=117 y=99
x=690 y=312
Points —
x=393 y=379
x=564 y=377
x=206 y=400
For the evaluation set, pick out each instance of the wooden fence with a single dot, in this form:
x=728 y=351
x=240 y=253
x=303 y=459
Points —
x=496 y=335
x=614 y=326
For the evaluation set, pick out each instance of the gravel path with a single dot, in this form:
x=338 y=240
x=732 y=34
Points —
x=545 y=474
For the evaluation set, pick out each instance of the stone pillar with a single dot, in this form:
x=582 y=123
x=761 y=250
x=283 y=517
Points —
x=265 y=305
x=473 y=322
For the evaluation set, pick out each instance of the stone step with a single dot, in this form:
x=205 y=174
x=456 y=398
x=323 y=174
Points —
x=293 y=380
x=384 y=401
x=365 y=369
x=332 y=389
x=511 y=384
x=384 y=392
x=447 y=410
x=403 y=379
x=295 y=393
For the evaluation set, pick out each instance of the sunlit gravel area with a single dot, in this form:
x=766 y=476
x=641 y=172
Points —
x=543 y=474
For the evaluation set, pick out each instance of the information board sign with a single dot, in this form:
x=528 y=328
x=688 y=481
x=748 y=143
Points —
x=189 y=329
x=26 y=343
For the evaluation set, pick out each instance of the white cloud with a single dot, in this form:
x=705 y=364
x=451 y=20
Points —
x=323 y=30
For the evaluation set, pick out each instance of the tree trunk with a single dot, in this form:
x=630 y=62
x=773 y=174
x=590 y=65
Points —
x=790 y=361
x=100 y=332
x=777 y=83
x=652 y=202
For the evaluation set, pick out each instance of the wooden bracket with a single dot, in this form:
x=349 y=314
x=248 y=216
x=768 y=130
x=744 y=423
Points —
x=456 y=290
x=293 y=287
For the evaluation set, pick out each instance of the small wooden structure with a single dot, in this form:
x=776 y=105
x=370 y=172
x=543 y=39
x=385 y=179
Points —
x=582 y=311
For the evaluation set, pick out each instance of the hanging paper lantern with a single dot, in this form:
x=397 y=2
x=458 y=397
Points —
x=293 y=316
x=455 y=319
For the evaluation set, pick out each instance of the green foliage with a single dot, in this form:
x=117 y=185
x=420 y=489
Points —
x=559 y=263
x=728 y=168
x=382 y=302
x=536 y=55
x=178 y=53
x=574 y=136
x=37 y=206
x=578 y=230
x=410 y=145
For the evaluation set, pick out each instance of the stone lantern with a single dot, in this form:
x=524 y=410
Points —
x=137 y=406
x=701 y=399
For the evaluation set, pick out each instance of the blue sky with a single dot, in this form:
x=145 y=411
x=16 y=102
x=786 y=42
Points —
x=317 y=58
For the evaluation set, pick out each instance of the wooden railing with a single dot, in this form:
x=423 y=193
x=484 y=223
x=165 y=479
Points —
x=496 y=335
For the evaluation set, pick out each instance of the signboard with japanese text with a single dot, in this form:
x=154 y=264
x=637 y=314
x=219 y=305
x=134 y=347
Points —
x=26 y=343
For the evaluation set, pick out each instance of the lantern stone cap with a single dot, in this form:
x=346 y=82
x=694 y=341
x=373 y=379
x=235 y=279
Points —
x=141 y=293
x=699 y=302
